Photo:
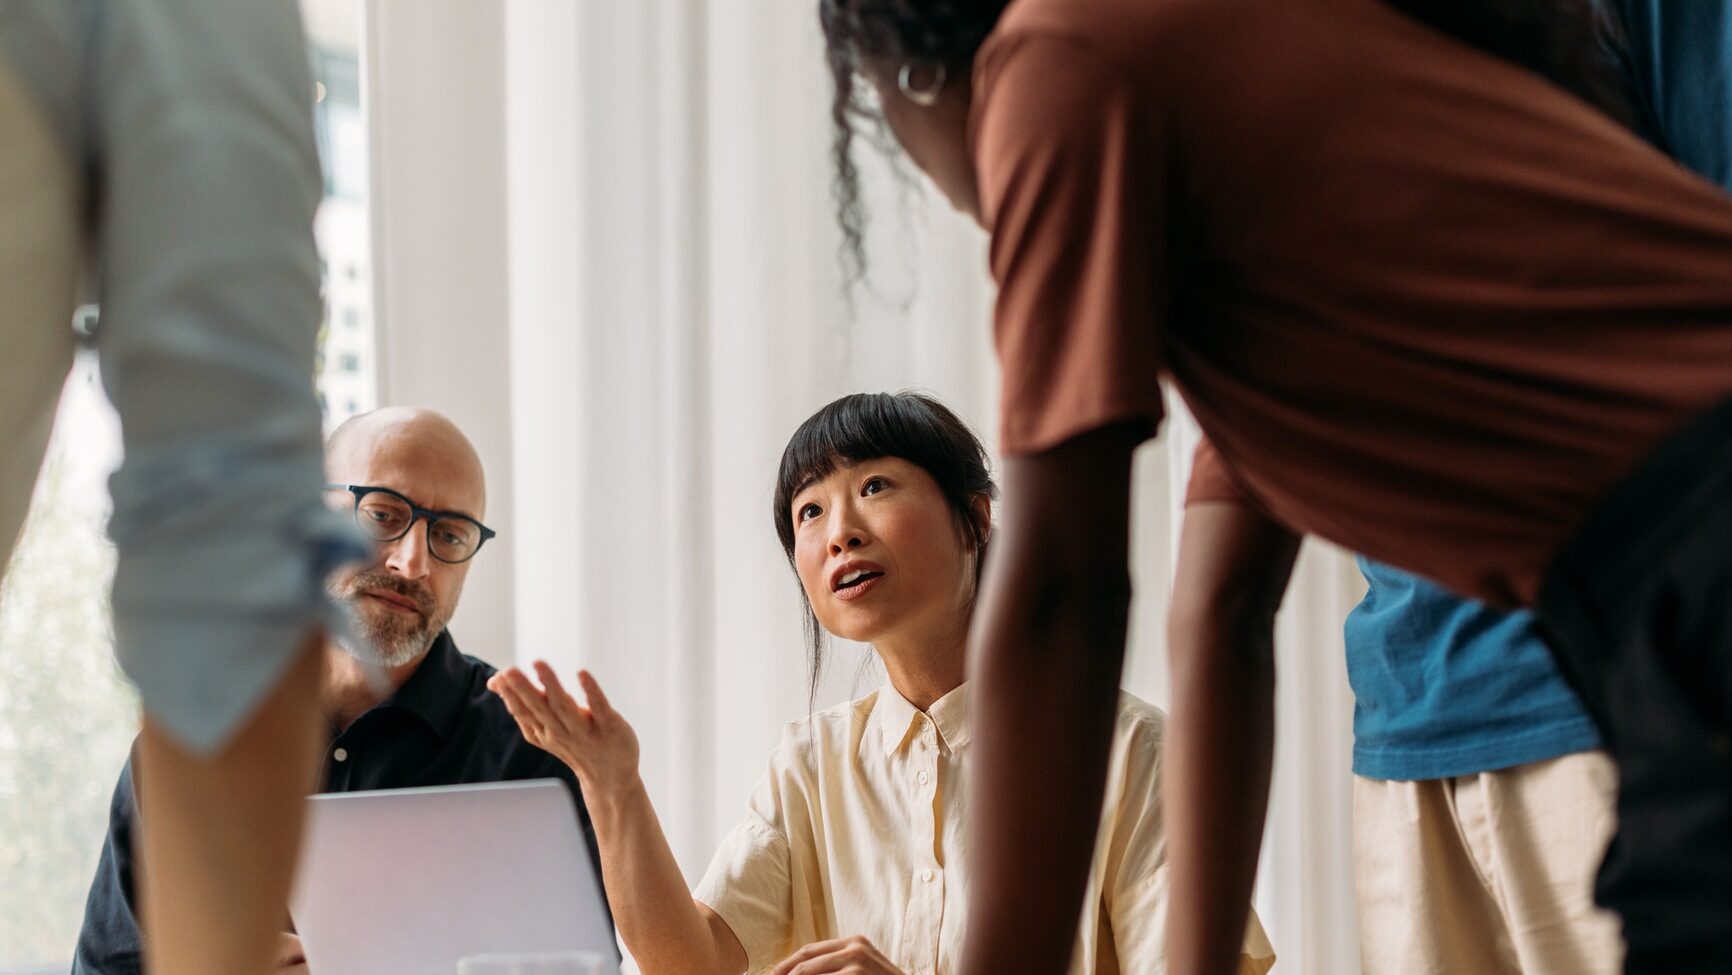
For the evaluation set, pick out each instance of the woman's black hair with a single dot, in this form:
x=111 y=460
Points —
x=866 y=426
x=1578 y=44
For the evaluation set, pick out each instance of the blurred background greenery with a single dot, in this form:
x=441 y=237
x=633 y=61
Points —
x=67 y=716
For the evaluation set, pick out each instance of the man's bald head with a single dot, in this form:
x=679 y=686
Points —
x=403 y=600
x=415 y=443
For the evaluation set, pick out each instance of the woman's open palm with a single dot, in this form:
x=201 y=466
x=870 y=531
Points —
x=595 y=741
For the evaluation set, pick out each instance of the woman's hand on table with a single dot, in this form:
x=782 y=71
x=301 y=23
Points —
x=595 y=741
x=841 y=956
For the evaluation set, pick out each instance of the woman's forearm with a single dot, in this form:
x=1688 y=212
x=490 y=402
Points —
x=1047 y=647
x=1234 y=563
x=1043 y=729
x=1220 y=749
x=665 y=930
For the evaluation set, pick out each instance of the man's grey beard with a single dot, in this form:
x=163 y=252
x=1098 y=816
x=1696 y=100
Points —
x=381 y=638
x=377 y=649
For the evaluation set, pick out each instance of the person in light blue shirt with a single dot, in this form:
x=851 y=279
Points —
x=1481 y=800
x=158 y=157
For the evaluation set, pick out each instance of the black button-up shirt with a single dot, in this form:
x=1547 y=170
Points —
x=442 y=727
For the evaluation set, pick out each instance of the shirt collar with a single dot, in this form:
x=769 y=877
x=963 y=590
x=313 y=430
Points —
x=896 y=719
x=435 y=691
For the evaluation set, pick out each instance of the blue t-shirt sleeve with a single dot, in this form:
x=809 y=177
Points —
x=1445 y=686
x=1681 y=57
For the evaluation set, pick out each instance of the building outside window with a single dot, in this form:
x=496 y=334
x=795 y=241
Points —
x=350 y=385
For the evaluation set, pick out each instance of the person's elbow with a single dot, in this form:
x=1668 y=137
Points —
x=1229 y=632
x=1058 y=610
x=1233 y=569
x=1227 y=613
x=1070 y=599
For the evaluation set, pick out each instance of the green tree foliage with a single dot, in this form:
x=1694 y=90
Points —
x=67 y=717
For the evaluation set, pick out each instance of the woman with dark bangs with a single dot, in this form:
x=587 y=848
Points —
x=851 y=857
x=1428 y=295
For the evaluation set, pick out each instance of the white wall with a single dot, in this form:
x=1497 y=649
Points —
x=434 y=84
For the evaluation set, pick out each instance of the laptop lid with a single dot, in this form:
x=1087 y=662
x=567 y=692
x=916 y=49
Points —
x=409 y=881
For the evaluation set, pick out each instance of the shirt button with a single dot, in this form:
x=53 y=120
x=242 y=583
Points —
x=926 y=876
x=922 y=776
x=341 y=754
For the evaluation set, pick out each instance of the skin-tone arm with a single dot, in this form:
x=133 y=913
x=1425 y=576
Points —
x=666 y=931
x=228 y=823
x=291 y=958
x=1234 y=564
x=1046 y=651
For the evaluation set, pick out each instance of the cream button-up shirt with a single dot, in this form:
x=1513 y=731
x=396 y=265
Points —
x=860 y=827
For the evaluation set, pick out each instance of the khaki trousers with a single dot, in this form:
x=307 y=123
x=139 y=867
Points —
x=1487 y=874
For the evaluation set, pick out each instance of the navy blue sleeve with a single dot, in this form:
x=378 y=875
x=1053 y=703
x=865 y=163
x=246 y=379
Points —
x=108 y=943
x=1681 y=54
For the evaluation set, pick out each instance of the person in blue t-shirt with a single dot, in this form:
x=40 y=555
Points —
x=1482 y=803
x=1679 y=56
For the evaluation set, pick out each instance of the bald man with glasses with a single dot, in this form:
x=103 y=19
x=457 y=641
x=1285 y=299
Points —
x=415 y=486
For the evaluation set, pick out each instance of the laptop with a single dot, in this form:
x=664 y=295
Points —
x=409 y=881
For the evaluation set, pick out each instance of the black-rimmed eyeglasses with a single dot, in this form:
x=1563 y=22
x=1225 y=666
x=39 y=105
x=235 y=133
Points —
x=387 y=516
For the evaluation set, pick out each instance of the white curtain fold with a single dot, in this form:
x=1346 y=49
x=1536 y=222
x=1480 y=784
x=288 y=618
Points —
x=674 y=310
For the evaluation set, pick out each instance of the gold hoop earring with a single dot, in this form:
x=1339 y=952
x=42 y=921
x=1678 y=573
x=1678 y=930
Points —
x=924 y=97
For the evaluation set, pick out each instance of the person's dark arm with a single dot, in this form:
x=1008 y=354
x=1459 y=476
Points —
x=1046 y=649
x=108 y=940
x=1234 y=563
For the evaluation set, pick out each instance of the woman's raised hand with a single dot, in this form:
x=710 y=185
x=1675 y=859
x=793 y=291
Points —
x=595 y=741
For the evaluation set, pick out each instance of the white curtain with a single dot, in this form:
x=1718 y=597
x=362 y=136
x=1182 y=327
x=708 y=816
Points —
x=674 y=310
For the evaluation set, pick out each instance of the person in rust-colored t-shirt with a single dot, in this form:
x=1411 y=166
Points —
x=1423 y=302
x=1431 y=335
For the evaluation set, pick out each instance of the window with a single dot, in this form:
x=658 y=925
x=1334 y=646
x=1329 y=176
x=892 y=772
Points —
x=67 y=716
x=346 y=382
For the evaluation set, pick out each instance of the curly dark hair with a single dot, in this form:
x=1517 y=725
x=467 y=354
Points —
x=939 y=33
x=1578 y=44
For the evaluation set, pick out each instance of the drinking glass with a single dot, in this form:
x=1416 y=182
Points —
x=534 y=963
